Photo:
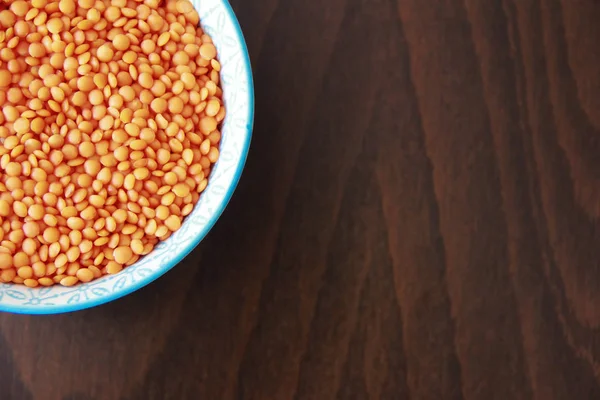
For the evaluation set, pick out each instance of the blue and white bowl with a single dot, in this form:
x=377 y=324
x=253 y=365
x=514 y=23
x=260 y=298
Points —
x=219 y=21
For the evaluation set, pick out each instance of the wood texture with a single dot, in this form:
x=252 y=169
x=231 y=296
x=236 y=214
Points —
x=418 y=219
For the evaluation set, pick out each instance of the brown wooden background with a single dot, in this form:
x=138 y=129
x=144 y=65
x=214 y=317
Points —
x=419 y=218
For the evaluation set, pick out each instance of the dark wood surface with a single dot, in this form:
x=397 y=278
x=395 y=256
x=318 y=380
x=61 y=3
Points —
x=418 y=219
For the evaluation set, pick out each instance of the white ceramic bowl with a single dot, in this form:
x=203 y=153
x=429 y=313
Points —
x=218 y=20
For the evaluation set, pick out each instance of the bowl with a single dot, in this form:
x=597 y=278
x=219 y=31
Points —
x=218 y=20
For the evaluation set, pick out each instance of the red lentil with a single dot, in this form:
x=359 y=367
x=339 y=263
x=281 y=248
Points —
x=109 y=127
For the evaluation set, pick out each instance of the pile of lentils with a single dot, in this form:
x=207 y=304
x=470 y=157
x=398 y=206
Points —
x=108 y=132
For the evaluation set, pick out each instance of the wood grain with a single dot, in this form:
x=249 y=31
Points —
x=418 y=219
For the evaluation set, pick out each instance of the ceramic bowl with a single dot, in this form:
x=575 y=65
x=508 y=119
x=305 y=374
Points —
x=218 y=20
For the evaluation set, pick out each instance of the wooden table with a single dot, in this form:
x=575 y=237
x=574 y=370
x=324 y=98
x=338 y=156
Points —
x=418 y=219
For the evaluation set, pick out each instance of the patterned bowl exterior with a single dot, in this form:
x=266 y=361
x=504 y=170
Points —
x=218 y=20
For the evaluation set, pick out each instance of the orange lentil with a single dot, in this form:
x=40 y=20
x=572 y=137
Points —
x=31 y=283
x=121 y=42
x=113 y=267
x=110 y=125
x=45 y=281
x=6 y=261
x=105 y=53
x=67 y=6
x=69 y=281
x=84 y=275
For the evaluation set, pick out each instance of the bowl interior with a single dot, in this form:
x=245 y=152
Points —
x=219 y=21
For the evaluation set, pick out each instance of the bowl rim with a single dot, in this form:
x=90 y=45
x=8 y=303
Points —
x=67 y=308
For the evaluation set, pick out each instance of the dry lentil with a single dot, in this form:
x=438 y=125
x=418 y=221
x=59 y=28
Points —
x=109 y=128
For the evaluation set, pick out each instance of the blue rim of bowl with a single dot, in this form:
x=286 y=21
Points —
x=66 y=308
